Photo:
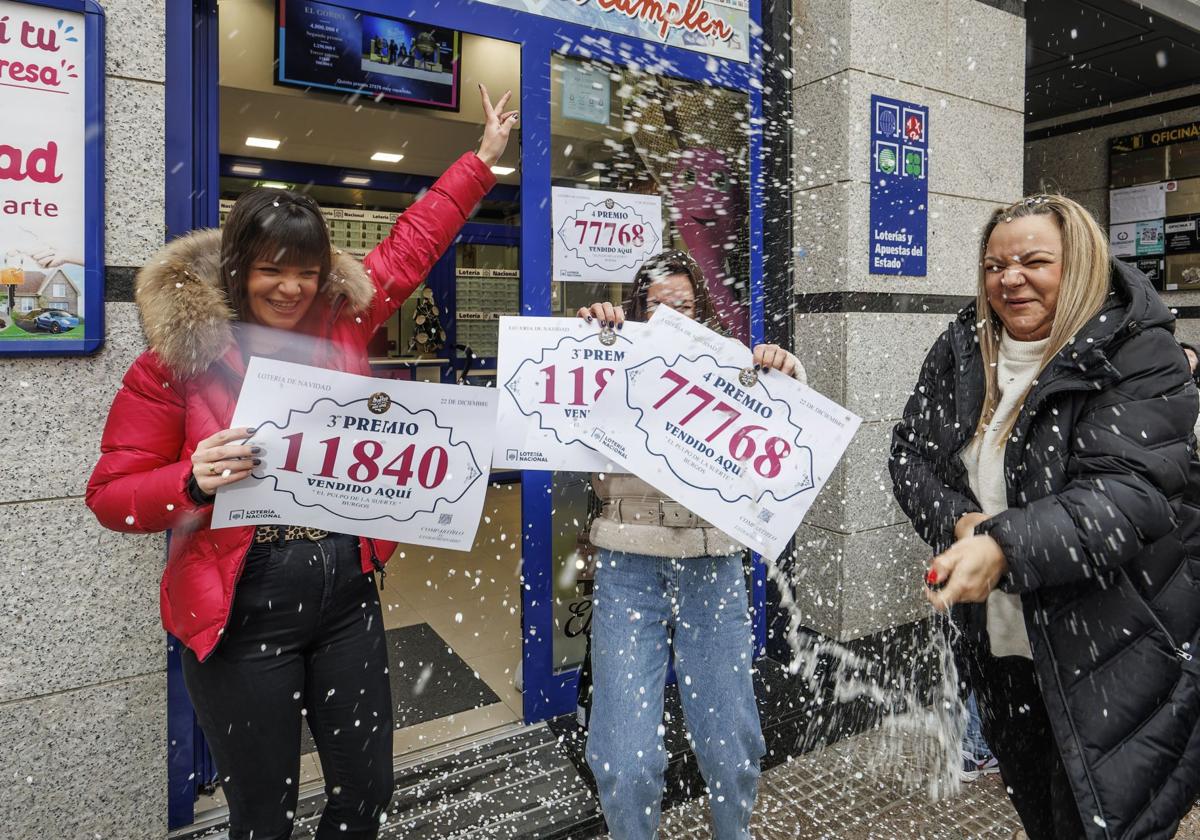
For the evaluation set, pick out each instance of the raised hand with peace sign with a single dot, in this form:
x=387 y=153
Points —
x=496 y=128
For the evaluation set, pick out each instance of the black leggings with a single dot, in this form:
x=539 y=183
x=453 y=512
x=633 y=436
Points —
x=1017 y=728
x=305 y=638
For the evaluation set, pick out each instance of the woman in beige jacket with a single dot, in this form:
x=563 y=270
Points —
x=667 y=581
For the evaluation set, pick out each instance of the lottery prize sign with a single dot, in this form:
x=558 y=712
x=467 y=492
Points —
x=603 y=237
x=395 y=460
x=746 y=450
x=550 y=371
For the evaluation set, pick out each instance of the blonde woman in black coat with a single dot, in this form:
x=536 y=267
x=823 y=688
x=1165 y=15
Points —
x=1044 y=456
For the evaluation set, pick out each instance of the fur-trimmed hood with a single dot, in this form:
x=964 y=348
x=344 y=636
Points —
x=185 y=310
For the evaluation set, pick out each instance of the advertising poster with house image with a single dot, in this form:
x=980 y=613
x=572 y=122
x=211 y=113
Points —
x=42 y=247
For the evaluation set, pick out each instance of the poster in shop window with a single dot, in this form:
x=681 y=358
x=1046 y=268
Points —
x=549 y=373
x=603 y=237
x=51 y=179
x=1135 y=204
x=396 y=460
x=1123 y=240
x=747 y=451
x=1149 y=237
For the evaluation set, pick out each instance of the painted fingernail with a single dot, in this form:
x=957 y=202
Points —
x=621 y=325
x=590 y=319
x=251 y=430
x=257 y=461
x=256 y=450
x=931 y=577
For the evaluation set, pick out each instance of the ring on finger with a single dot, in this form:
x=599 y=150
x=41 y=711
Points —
x=212 y=469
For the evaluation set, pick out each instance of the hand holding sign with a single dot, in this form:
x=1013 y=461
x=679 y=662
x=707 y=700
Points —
x=401 y=461
x=745 y=449
x=550 y=372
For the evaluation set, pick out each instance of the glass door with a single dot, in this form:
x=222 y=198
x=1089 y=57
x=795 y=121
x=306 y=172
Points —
x=625 y=129
x=621 y=117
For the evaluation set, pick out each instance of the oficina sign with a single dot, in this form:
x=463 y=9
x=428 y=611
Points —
x=51 y=177
x=716 y=27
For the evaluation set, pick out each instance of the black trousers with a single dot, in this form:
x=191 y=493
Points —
x=1017 y=728
x=305 y=639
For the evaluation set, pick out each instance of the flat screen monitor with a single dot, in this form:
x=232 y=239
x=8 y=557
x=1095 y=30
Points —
x=331 y=47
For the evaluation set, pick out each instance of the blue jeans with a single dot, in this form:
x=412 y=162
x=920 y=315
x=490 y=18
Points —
x=973 y=740
x=638 y=601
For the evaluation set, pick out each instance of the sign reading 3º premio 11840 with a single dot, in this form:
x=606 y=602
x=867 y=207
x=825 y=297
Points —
x=549 y=374
x=395 y=460
x=746 y=450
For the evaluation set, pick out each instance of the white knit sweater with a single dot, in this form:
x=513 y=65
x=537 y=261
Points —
x=1018 y=366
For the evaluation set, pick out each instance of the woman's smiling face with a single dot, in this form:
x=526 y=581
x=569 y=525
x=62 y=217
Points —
x=1022 y=269
x=280 y=295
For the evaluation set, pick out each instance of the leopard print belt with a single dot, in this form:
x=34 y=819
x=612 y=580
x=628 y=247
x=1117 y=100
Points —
x=287 y=533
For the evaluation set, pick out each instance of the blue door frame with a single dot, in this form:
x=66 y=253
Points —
x=192 y=170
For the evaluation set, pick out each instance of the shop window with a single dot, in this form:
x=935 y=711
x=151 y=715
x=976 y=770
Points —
x=1141 y=167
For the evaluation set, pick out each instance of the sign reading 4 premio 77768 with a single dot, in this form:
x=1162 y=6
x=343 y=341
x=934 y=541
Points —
x=401 y=461
x=603 y=237
x=746 y=450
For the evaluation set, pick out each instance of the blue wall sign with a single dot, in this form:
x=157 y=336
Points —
x=899 y=187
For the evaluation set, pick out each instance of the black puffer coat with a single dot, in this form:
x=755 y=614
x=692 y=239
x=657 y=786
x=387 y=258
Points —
x=1102 y=540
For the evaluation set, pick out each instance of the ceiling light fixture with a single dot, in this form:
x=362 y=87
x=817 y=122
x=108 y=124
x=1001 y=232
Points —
x=263 y=142
x=246 y=169
x=387 y=157
x=356 y=180
x=504 y=170
x=275 y=185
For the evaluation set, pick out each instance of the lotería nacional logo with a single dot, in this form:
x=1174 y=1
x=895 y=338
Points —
x=379 y=403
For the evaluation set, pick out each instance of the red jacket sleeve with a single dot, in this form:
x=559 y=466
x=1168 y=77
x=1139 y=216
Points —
x=140 y=482
x=422 y=233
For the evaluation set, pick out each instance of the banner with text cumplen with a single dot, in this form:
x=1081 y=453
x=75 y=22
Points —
x=719 y=28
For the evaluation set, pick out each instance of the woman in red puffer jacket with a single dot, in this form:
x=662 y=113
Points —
x=278 y=622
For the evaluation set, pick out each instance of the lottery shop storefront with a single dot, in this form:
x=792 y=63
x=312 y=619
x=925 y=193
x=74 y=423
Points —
x=362 y=104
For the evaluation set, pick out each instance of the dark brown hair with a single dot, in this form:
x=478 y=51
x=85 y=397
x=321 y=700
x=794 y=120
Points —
x=664 y=265
x=280 y=226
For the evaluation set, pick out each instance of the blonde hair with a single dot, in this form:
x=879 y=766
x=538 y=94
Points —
x=1081 y=293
